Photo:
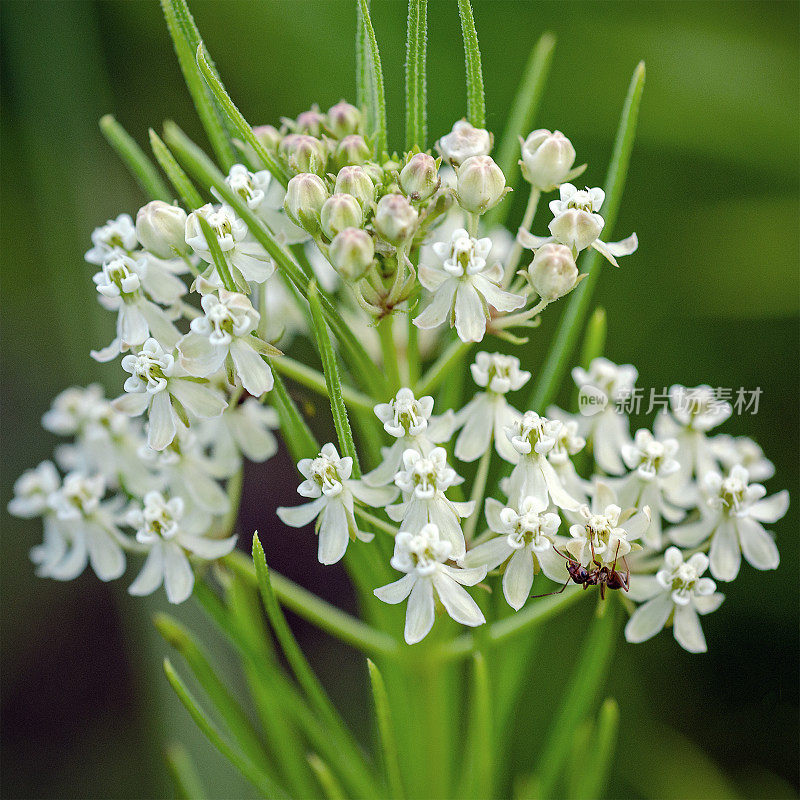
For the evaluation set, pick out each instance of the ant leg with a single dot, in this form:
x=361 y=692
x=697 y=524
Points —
x=602 y=591
x=547 y=594
x=594 y=557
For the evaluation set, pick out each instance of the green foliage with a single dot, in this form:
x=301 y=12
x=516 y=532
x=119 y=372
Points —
x=476 y=102
x=371 y=87
x=416 y=77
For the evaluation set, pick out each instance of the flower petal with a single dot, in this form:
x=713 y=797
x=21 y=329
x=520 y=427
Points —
x=199 y=357
x=254 y=372
x=687 y=630
x=772 y=508
x=518 y=578
x=333 y=533
x=470 y=314
x=438 y=310
x=161 y=422
x=490 y=554
x=649 y=619
x=758 y=546
x=151 y=575
x=457 y=601
x=419 y=612
x=692 y=533
x=396 y=592
x=725 y=554
x=178 y=575
x=300 y=516
x=207 y=548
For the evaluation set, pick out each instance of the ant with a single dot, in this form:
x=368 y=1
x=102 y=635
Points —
x=601 y=576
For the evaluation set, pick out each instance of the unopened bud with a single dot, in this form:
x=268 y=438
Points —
x=552 y=273
x=419 y=178
x=310 y=122
x=547 y=159
x=343 y=119
x=268 y=135
x=161 y=228
x=352 y=150
x=354 y=180
x=481 y=184
x=576 y=228
x=463 y=142
x=304 y=153
x=340 y=211
x=305 y=196
x=351 y=253
x=395 y=219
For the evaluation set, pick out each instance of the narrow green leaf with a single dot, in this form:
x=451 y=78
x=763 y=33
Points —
x=217 y=255
x=383 y=712
x=600 y=752
x=234 y=116
x=229 y=709
x=319 y=612
x=521 y=116
x=197 y=163
x=362 y=60
x=569 y=325
x=478 y=756
x=334 y=384
x=594 y=341
x=376 y=99
x=186 y=39
x=327 y=780
x=440 y=369
x=588 y=674
x=476 y=103
x=263 y=782
x=313 y=379
x=183 y=773
x=177 y=177
x=141 y=167
x=296 y=433
x=416 y=79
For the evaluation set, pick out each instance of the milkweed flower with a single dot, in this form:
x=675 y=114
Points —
x=162 y=528
x=225 y=330
x=678 y=591
x=526 y=542
x=159 y=386
x=733 y=450
x=463 y=142
x=423 y=480
x=464 y=287
x=568 y=443
x=488 y=414
x=409 y=419
x=731 y=517
x=423 y=556
x=117 y=236
x=333 y=493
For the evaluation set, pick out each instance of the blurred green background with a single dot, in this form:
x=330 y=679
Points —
x=711 y=296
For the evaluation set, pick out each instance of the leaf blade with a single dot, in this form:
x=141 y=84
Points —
x=389 y=750
x=376 y=97
x=416 y=78
x=476 y=102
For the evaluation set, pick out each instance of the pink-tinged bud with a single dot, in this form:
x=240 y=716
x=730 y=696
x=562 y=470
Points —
x=161 y=228
x=351 y=253
x=463 y=142
x=340 y=211
x=305 y=196
x=343 y=119
x=304 y=153
x=268 y=135
x=552 y=273
x=419 y=178
x=547 y=159
x=481 y=184
x=354 y=180
x=351 y=150
x=395 y=219
x=311 y=122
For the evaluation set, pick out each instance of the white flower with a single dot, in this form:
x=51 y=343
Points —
x=157 y=385
x=464 y=287
x=117 y=236
x=264 y=196
x=332 y=491
x=224 y=331
x=533 y=437
x=731 y=517
x=606 y=384
x=695 y=412
x=527 y=540
x=87 y=525
x=577 y=225
x=422 y=557
x=409 y=420
x=161 y=527
x=652 y=463
x=678 y=590
x=606 y=534
x=488 y=414
x=119 y=284
x=547 y=159
x=463 y=142
x=246 y=259
x=568 y=442
x=733 y=450
x=32 y=491
x=423 y=480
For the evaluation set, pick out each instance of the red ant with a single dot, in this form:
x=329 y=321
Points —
x=601 y=576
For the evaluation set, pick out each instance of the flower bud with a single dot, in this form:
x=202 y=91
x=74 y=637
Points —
x=547 y=159
x=576 y=228
x=340 y=211
x=463 y=142
x=481 y=184
x=351 y=253
x=304 y=153
x=343 y=119
x=268 y=135
x=395 y=219
x=160 y=228
x=305 y=196
x=310 y=122
x=419 y=178
x=552 y=273
x=352 y=150
x=354 y=180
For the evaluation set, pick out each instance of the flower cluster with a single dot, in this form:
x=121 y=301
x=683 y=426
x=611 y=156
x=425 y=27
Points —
x=203 y=295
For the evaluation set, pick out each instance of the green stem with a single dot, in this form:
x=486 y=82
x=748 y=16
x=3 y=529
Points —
x=438 y=371
x=177 y=177
x=389 y=351
x=476 y=103
x=383 y=712
x=376 y=522
x=527 y=221
x=478 y=490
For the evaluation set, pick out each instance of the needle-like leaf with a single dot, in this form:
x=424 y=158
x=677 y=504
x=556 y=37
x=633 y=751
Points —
x=416 y=79
x=375 y=100
x=476 y=102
